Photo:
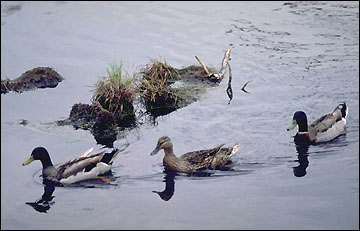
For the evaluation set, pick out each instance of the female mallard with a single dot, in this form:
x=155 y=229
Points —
x=193 y=161
x=324 y=129
x=78 y=169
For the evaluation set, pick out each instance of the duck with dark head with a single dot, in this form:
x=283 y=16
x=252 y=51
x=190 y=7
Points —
x=323 y=129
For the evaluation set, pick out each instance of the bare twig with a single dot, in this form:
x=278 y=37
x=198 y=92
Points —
x=224 y=63
x=203 y=65
x=230 y=75
x=217 y=77
x=229 y=89
x=243 y=88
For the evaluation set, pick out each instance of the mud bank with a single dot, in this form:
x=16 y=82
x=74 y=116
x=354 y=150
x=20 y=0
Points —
x=39 y=77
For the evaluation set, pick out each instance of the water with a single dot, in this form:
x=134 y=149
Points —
x=298 y=56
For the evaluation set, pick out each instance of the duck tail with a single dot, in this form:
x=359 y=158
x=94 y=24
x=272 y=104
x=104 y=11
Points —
x=344 y=109
x=108 y=158
x=87 y=152
x=234 y=149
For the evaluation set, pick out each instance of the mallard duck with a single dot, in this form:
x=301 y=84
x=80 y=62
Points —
x=77 y=169
x=324 y=129
x=193 y=161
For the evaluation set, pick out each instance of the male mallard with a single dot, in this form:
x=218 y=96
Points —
x=193 y=161
x=325 y=128
x=80 y=168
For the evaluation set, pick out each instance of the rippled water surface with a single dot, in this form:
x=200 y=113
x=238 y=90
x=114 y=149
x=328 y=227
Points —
x=296 y=55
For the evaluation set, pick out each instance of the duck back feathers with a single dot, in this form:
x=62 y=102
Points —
x=85 y=167
x=327 y=121
x=78 y=164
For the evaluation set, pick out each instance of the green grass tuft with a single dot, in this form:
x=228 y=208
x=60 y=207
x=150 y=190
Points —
x=115 y=92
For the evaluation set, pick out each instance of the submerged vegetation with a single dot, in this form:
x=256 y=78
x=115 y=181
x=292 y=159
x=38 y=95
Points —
x=155 y=90
x=164 y=88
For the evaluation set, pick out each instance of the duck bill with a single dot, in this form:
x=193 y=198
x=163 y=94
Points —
x=28 y=161
x=155 y=151
x=292 y=125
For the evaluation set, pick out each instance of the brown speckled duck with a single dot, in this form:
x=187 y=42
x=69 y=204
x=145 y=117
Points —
x=194 y=161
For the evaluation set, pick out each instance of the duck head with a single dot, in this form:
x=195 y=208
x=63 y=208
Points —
x=299 y=119
x=163 y=143
x=39 y=153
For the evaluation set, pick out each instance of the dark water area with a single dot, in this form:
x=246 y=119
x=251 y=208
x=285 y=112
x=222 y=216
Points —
x=296 y=55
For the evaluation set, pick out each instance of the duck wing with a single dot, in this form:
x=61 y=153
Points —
x=201 y=158
x=78 y=164
x=325 y=122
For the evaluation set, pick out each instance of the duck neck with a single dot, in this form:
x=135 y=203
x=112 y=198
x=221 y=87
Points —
x=169 y=151
x=170 y=160
x=46 y=162
x=303 y=125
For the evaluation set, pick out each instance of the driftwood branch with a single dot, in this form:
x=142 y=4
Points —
x=229 y=89
x=203 y=65
x=217 y=76
x=230 y=75
x=224 y=63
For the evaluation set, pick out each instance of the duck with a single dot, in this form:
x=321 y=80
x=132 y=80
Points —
x=192 y=162
x=323 y=129
x=77 y=169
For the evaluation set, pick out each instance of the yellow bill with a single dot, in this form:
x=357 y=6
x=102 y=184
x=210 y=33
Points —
x=28 y=161
x=292 y=125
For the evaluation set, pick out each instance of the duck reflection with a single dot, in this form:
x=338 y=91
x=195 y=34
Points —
x=169 y=180
x=43 y=204
x=169 y=185
x=302 y=151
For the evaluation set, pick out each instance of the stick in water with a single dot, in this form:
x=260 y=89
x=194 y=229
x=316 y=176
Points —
x=243 y=88
x=229 y=89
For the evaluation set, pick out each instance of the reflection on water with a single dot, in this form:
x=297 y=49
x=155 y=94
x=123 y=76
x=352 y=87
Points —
x=169 y=178
x=154 y=113
x=302 y=151
x=169 y=190
x=43 y=204
x=102 y=181
x=324 y=148
x=150 y=117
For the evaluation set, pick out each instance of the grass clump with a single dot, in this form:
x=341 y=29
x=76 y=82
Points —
x=155 y=90
x=159 y=87
x=115 y=93
x=5 y=86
